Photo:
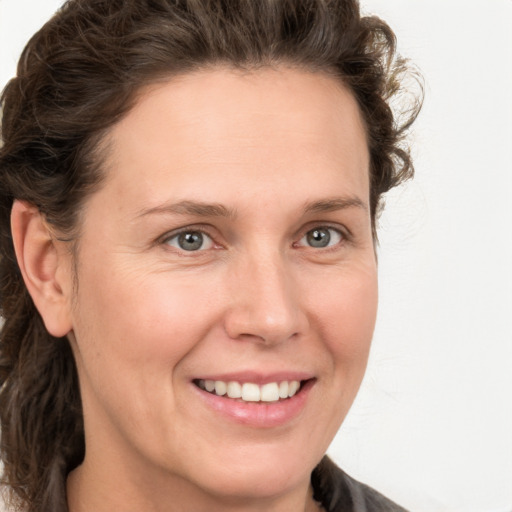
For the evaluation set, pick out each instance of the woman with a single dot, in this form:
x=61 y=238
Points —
x=189 y=282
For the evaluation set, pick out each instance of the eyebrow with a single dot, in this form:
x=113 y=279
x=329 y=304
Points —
x=335 y=203
x=201 y=209
x=190 y=208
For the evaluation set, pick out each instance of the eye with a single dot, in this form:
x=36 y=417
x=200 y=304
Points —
x=190 y=241
x=321 y=237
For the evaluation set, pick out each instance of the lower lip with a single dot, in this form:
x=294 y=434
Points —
x=259 y=414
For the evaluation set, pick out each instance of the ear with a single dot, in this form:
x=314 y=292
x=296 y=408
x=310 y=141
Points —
x=45 y=270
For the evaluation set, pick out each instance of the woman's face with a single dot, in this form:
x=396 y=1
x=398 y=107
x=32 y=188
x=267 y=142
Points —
x=231 y=242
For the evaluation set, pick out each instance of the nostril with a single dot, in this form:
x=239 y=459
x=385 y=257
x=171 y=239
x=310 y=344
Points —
x=263 y=328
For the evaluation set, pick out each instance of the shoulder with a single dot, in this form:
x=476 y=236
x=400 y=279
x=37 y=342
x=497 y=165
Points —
x=338 y=492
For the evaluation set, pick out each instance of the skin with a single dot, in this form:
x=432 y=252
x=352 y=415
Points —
x=148 y=317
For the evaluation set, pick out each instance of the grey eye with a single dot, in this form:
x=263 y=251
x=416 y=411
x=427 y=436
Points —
x=190 y=241
x=321 y=237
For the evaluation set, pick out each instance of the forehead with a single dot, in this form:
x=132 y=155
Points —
x=257 y=127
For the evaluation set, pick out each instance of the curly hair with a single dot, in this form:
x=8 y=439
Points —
x=76 y=78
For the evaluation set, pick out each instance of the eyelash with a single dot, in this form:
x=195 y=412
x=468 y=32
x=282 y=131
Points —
x=166 y=239
x=339 y=234
x=188 y=230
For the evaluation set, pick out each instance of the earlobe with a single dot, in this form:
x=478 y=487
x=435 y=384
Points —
x=43 y=268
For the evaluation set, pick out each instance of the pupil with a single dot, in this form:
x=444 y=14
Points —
x=319 y=238
x=190 y=241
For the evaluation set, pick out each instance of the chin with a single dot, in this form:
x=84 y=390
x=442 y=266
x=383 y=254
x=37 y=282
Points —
x=257 y=477
x=270 y=483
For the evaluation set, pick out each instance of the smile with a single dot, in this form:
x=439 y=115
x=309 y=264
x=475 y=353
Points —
x=256 y=400
x=249 y=391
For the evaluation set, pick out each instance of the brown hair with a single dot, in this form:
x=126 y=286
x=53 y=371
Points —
x=78 y=76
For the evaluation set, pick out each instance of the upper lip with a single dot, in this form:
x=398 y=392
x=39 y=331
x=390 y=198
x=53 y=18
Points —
x=258 y=377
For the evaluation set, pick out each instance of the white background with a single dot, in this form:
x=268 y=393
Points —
x=432 y=426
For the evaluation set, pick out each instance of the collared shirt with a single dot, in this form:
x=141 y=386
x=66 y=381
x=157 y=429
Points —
x=338 y=492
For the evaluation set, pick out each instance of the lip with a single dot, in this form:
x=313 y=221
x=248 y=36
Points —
x=257 y=378
x=262 y=415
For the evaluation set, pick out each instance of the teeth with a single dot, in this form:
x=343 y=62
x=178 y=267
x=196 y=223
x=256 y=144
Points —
x=283 y=389
x=221 y=388
x=234 y=390
x=293 y=387
x=270 y=392
x=250 y=392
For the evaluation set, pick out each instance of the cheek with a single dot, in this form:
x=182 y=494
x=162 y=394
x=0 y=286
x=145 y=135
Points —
x=343 y=316
x=143 y=318
x=347 y=311
x=133 y=332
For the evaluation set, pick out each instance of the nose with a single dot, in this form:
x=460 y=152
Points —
x=264 y=305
